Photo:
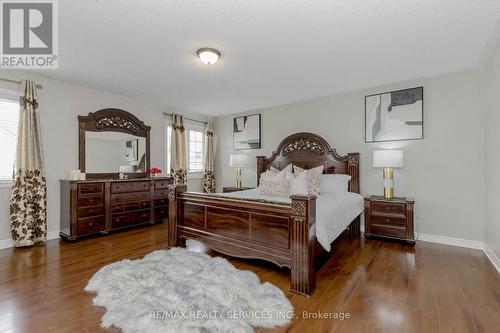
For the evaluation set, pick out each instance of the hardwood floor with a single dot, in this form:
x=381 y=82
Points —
x=384 y=286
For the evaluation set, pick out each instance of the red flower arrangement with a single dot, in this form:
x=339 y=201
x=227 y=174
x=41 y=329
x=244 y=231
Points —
x=155 y=171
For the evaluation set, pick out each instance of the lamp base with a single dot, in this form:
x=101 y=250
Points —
x=388 y=183
x=238 y=177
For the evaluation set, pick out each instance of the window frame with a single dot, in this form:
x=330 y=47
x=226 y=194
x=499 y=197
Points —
x=11 y=96
x=188 y=126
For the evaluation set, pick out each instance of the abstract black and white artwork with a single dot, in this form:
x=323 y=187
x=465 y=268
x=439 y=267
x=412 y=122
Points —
x=246 y=132
x=394 y=116
x=132 y=150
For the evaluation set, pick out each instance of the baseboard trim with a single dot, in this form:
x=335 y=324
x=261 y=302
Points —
x=7 y=243
x=495 y=261
x=471 y=244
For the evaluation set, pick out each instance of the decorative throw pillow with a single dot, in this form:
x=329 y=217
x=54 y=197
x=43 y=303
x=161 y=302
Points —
x=278 y=188
x=334 y=183
x=274 y=174
x=313 y=178
x=288 y=168
x=298 y=183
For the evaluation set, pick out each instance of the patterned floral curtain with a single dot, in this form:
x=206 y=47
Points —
x=28 y=214
x=208 y=167
x=178 y=161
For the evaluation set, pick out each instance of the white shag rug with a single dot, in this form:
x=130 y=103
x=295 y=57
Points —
x=181 y=291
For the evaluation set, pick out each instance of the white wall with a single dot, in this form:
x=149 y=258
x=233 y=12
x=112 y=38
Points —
x=443 y=172
x=59 y=104
x=491 y=84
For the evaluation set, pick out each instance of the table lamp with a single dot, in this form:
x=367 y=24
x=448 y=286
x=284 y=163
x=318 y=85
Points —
x=238 y=161
x=388 y=159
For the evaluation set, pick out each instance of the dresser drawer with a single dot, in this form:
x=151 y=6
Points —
x=128 y=219
x=161 y=194
x=127 y=197
x=134 y=186
x=129 y=206
x=162 y=184
x=388 y=230
x=161 y=213
x=161 y=202
x=388 y=208
x=90 y=225
x=90 y=211
x=388 y=220
x=90 y=200
x=90 y=188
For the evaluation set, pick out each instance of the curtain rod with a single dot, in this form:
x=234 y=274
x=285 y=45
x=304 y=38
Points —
x=198 y=121
x=39 y=86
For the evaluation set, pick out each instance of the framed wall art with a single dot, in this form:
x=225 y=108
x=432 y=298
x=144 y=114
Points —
x=395 y=116
x=247 y=132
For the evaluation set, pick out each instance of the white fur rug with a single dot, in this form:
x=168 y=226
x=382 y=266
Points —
x=180 y=291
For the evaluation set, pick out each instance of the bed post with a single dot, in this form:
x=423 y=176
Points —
x=174 y=213
x=302 y=236
x=353 y=169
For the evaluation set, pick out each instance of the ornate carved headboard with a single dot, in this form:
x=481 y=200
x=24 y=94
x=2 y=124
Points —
x=308 y=150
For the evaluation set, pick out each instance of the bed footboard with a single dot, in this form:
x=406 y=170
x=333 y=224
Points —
x=279 y=233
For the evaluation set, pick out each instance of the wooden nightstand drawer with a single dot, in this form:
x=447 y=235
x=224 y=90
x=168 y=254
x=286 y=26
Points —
x=389 y=218
x=230 y=189
x=388 y=208
x=388 y=230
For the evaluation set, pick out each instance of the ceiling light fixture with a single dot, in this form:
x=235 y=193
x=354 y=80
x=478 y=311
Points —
x=208 y=55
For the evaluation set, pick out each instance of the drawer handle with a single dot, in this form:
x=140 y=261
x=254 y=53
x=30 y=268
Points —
x=386 y=208
x=91 y=210
x=162 y=212
x=91 y=224
x=144 y=215
x=117 y=220
x=91 y=200
x=387 y=220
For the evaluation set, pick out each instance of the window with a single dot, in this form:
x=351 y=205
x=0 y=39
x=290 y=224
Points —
x=9 y=119
x=195 y=150
x=194 y=146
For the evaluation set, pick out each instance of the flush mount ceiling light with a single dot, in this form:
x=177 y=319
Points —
x=208 y=55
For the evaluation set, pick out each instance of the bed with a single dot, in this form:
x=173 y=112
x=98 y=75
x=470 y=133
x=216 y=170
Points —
x=290 y=232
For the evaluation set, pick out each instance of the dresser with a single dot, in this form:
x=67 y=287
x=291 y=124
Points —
x=99 y=206
x=389 y=218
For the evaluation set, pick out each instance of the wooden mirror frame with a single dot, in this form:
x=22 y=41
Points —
x=112 y=120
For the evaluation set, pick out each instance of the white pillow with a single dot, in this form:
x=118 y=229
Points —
x=288 y=168
x=274 y=174
x=334 y=183
x=298 y=183
x=313 y=178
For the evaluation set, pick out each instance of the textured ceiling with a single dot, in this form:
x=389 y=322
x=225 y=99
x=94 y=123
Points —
x=273 y=52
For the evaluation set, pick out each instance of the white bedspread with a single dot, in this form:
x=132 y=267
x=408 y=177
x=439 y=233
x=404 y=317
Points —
x=334 y=212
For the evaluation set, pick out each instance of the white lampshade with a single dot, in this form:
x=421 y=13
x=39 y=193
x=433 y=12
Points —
x=238 y=160
x=388 y=159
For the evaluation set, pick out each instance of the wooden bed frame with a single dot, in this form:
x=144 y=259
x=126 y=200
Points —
x=279 y=233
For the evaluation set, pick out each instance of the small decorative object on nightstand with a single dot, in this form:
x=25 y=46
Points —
x=391 y=218
x=229 y=189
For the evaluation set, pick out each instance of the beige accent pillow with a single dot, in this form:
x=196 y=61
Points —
x=288 y=168
x=278 y=188
x=313 y=178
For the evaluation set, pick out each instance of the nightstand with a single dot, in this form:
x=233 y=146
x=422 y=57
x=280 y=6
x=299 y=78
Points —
x=229 y=189
x=389 y=218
